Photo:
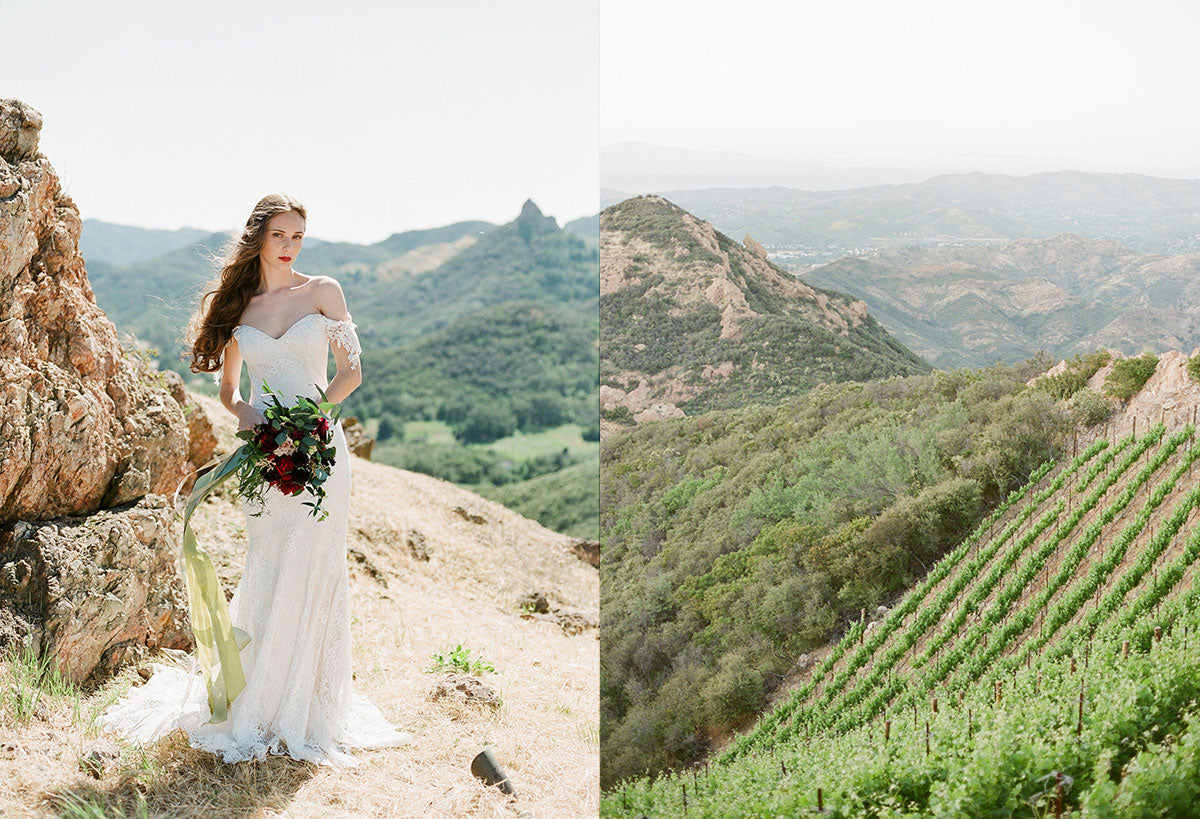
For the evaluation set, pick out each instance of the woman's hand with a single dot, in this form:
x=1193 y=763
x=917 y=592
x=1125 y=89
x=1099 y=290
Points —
x=249 y=415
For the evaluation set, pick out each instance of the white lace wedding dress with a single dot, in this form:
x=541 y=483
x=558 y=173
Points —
x=292 y=599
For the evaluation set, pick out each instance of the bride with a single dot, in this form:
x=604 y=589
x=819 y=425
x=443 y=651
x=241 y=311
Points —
x=293 y=595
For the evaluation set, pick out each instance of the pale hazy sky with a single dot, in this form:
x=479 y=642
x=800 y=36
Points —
x=1094 y=85
x=379 y=116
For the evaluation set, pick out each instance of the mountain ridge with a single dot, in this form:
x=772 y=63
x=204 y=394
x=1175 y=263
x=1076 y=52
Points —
x=693 y=318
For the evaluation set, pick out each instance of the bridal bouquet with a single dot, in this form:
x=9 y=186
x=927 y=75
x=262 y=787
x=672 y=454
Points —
x=291 y=451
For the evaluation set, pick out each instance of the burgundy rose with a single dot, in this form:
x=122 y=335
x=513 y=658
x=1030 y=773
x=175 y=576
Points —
x=285 y=465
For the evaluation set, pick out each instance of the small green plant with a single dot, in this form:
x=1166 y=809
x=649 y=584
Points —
x=459 y=659
x=144 y=364
x=31 y=677
x=85 y=804
x=1193 y=367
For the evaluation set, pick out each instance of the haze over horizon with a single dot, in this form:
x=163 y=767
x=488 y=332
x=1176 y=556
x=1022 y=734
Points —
x=634 y=166
x=911 y=88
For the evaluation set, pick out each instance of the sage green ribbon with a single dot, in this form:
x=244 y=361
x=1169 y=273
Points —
x=218 y=641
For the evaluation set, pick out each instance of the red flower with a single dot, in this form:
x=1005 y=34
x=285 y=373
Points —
x=284 y=465
x=323 y=425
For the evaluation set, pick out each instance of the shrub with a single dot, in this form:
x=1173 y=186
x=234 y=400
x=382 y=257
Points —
x=1129 y=375
x=1193 y=367
x=1079 y=369
x=1089 y=408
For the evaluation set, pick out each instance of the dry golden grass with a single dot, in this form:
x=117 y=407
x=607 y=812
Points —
x=545 y=733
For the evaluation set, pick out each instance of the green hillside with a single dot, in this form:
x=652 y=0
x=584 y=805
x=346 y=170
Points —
x=119 y=245
x=529 y=259
x=564 y=501
x=1056 y=643
x=535 y=363
x=737 y=540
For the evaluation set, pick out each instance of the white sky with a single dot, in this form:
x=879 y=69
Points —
x=379 y=116
x=1046 y=85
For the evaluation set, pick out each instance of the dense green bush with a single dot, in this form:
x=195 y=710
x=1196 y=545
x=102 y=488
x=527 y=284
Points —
x=1079 y=369
x=1089 y=407
x=486 y=422
x=1129 y=375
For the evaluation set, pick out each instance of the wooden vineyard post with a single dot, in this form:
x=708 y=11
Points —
x=970 y=723
x=926 y=737
x=782 y=768
x=1079 y=724
x=820 y=801
x=1072 y=665
x=1158 y=634
x=1124 y=649
x=935 y=710
x=683 y=787
x=1058 y=803
x=887 y=730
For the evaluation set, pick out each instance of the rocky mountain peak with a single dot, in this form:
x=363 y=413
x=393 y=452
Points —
x=673 y=289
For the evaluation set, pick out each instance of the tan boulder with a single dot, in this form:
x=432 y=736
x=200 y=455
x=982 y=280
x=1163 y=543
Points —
x=83 y=428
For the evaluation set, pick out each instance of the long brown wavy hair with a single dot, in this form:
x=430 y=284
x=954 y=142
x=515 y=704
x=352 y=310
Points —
x=230 y=290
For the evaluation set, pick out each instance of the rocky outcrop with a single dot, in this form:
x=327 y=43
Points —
x=1170 y=395
x=755 y=248
x=83 y=429
x=96 y=590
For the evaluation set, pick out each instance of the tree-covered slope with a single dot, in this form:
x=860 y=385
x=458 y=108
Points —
x=1047 y=664
x=528 y=259
x=534 y=362
x=735 y=541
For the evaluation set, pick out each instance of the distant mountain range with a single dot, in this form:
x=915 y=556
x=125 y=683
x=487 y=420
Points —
x=124 y=244
x=398 y=290
x=803 y=227
x=975 y=306
x=693 y=321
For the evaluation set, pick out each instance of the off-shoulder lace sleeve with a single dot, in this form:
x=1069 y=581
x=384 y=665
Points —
x=342 y=332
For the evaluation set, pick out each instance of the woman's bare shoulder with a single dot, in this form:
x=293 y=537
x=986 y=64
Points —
x=330 y=299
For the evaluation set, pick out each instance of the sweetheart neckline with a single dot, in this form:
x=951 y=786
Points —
x=285 y=332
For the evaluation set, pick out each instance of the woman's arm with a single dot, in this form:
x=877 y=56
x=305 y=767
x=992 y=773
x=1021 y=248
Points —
x=231 y=396
x=332 y=302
